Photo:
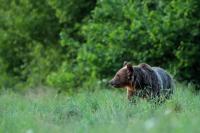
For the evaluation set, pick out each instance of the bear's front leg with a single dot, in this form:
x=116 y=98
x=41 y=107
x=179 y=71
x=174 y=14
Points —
x=130 y=92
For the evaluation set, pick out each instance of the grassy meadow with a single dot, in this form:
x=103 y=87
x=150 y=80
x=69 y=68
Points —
x=77 y=46
x=104 y=110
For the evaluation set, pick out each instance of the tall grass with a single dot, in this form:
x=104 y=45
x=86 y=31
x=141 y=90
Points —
x=99 y=111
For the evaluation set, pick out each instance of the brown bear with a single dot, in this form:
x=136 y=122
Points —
x=144 y=81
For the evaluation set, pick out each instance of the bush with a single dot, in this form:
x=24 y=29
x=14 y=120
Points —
x=162 y=33
x=30 y=33
x=68 y=44
x=27 y=26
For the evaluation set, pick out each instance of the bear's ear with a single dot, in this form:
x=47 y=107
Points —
x=129 y=68
x=125 y=63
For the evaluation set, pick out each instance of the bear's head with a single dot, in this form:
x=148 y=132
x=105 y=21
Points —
x=123 y=77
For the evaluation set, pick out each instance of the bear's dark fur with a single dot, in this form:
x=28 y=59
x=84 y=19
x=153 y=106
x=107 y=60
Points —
x=144 y=81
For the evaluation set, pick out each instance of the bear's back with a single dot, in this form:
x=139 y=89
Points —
x=164 y=77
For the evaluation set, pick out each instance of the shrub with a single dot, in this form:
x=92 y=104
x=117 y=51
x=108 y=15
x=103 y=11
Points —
x=162 y=33
x=66 y=44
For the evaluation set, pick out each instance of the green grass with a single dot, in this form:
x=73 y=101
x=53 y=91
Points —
x=97 y=112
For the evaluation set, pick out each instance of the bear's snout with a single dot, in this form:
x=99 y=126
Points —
x=111 y=82
x=114 y=84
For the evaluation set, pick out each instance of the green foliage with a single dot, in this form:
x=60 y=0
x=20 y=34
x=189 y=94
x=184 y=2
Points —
x=99 y=111
x=64 y=78
x=30 y=45
x=163 y=33
x=68 y=44
x=5 y=80
x=72 y=11
x=25 y=27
